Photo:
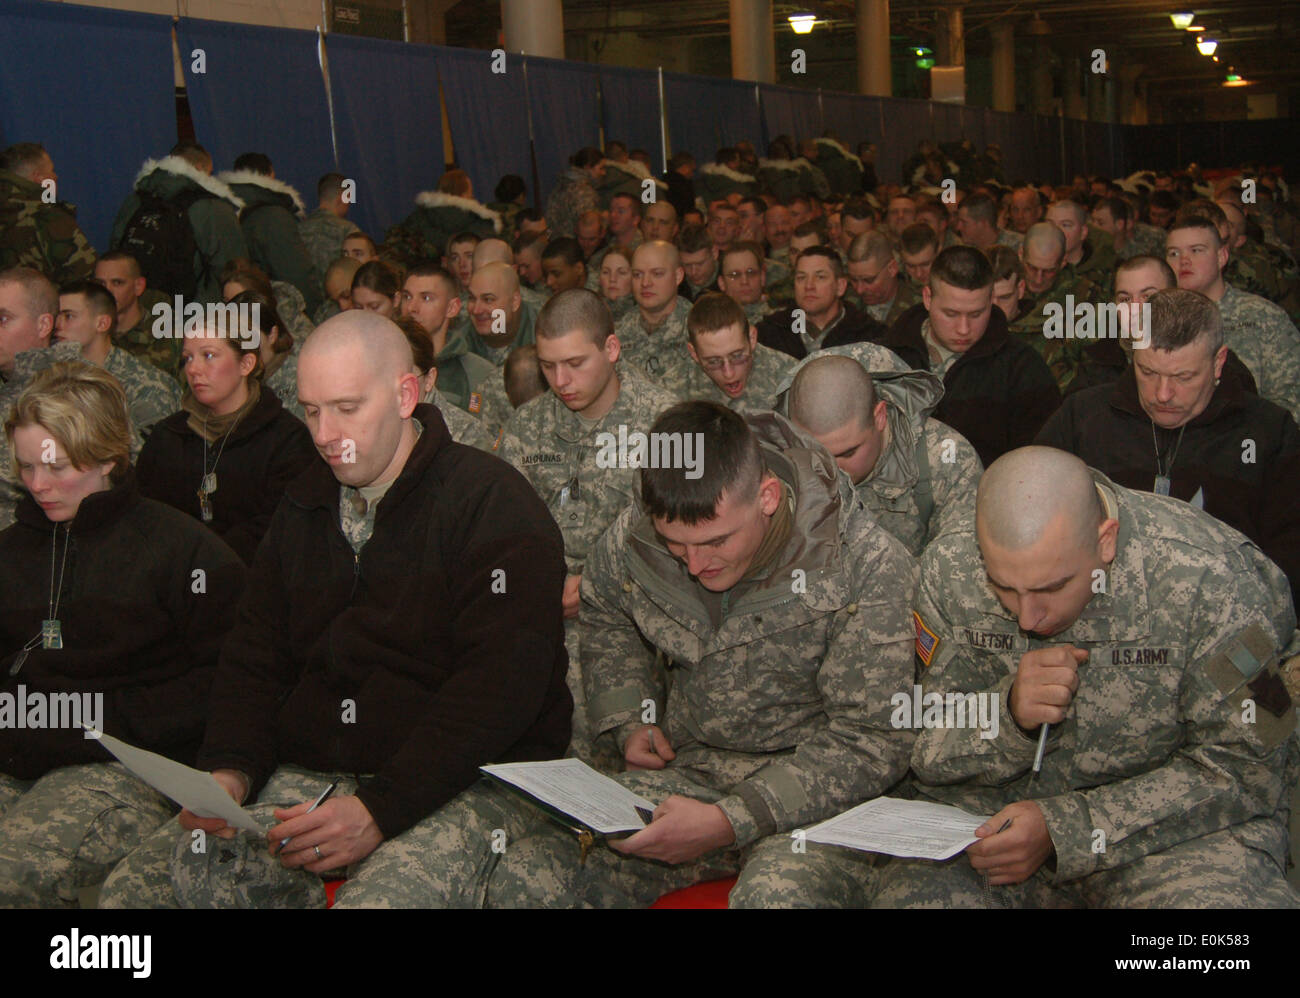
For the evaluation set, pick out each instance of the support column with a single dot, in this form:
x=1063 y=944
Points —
x=753 y=45
x=1004 y=67
x=875 y=72
x=1042 y=75
x=534 y=27
x=950 y=38
x=1075 y=104
x=1096 y=90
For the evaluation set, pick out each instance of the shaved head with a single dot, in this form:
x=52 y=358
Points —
x=1027 y=491
x=499 y=274
x=1046 y=239
x=829 y=393
x=493 y=250
x=358 y=394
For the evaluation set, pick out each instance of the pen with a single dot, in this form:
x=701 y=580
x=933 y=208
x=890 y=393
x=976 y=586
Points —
x=651 y=733
x=1042 y=747
x=319 y=801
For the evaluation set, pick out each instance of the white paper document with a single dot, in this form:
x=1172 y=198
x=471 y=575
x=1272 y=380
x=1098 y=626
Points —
x=571 y=786
x=190 y=788
x=912 y=828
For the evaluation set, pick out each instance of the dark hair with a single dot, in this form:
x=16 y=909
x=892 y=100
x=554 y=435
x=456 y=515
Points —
x=463 y=236
x=122 y=256
x=586 y=157
x=1180 y=317
x=917 y=237
x=742 y=246
x=455 y=182
x=614 y=144
x=812 y=227
x=566 y=248
x=329 y=186
x=1117 y=206
x=379 y=277
x=243 y=271
x=576 y=310
x=1006 y=263
x=268 y=318
x=725 y=155
x=256 y=162
x=98 y=297
x=421 y=341
x=693 y=238
x=1134 y=262
x=713 y=311
x=1164 y=199
x=361 y=235
x=730 y=461
x=830 y=253
x=192 y=152
x=509 y=187
x=1196 y=220
x=21 y=156
x=528 y=215
x=962 y=267
x=982 y=208
x=679 y=159
x=859 y=208
x=754 y=202
x=523 y=376
x=630 y=198
x=431 y=268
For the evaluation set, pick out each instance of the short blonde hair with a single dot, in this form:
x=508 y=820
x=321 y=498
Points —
x=85 y=410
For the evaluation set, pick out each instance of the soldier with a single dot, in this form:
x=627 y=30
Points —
x=856 y=218
x=914 y=474
x=562 y=264
x=575 y=192
x=624 y=233
x=269 y=219
x=1067 y=603
x=751 y=211
x=899 y=214
x=723 y=177
x=339 y=600
x=820 y=318
x=1057 y=291
x=659 y=222
x=742 y=275
x=615 y=283
x=338 y=285
x=1174 y=424
x=723 y=361
x=38 y=231
x=360 y=247
x=87 y=316
x=523 y=376
x=652 y=335
x=501 y=321
x=528 y=261
x=724 y=225
x=733 y=759
x=1255 y=329
x=376 y=287
x=873 y=275
x=464 y=428
x=1130 y=237
x=1009 y=282
x=1026 y=209
x=1090 y=255
x=918 y=246
x=778 y=227
x=508 y=199
x=933 y=213
x=429 y=297
x=459 y=259
x=699 y=256
x=182 y=180
x=555 y=441
x=997 y=390
x=591 y=233
x=426 y=232
x=120 y=272
x=494 y=250
x=977 y=224
x=324 y=230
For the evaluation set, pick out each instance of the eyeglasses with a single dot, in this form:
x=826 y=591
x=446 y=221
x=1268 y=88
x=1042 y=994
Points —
x=735 y=275
x=739 y=359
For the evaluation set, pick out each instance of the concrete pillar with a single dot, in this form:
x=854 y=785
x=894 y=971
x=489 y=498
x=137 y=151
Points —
x=753 y=46
x=1096 y=90
x=1075 y=104
x=1042 y=78
x=1004 y=67
x=950 y=38
x=875 y=73
x=534 y=27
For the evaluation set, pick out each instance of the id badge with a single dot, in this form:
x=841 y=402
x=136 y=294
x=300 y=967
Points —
x=1162 y=485
x=51 y=634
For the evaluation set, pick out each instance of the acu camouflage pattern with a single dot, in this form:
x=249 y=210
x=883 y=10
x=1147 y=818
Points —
x=768 y=370
x=151 y=396
x=283 y=382
x=653 y=350
x=162 y=352
x=572 y=197
x=66 y=831
x=1145 y=240
x=464 y=428
x=322 y=234
x=42 y=236
x=1154 y=752
x=1267 y=342
x=887 y=312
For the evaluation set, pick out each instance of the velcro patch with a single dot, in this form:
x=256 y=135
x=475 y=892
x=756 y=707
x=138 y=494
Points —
x=1270 y=693
x=927 y=642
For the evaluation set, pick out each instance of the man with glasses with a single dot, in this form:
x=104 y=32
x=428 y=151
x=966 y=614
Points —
x=873 y=274
x=723 y=361
x=743 y=277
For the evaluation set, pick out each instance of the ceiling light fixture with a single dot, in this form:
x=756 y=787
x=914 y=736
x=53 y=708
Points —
x=1196 y=27
x=802 y=23
x=1206 y=46
x=1182 y=19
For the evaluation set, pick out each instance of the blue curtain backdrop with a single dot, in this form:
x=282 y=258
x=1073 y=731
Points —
x=789 y=111
x=261 y=91
x=564 y=97
x=95 y=88
x=705 y=113
x=853 y=119
x=392 y=148
x=630 y=112
x=488 y=114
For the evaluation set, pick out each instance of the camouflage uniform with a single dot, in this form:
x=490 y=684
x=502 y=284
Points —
x=323 y=233
x=283 y=381
x=686 y=379
x=598 y=257
x=163 y=353
x=904 y=298
x=292 y=308
x=150 y=395
x=42 y=236
x=1145 y=240
x=757 y=311
x=464 y=428
x=572 y=197
x=778 y=713
x=652 y=350
x=1154 y=789
x=1006 y=237
x=1064 y=355
x=1267 y=342
x=69 y=828
x=558 y=451
x=1098 y=264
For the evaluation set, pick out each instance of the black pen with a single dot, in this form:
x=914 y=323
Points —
x=319 y=801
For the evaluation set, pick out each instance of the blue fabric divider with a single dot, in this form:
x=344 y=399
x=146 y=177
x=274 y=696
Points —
x=906 y=123
x=261 y=91
x=706 y=113
x=789 y=111
x=95 y=88
x=564 y=97
x=853 y=119
x=388 y=123
x=630 y=110
x=488 y=114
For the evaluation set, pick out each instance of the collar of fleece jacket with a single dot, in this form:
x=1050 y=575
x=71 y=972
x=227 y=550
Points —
x=250 y=179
